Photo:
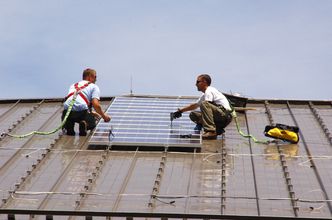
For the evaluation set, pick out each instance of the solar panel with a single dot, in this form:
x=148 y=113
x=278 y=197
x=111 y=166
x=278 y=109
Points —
x=144 y=121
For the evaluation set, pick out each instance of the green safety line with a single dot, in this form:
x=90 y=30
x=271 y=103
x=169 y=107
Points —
x=246 y=135
x=48 y=132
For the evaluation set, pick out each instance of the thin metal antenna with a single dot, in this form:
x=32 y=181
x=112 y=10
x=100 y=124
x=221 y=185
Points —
x=131 y=84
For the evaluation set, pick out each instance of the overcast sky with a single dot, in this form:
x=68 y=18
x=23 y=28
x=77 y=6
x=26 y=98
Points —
x=258 y=48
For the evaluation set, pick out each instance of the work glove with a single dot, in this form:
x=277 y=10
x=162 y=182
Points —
x=177 y=114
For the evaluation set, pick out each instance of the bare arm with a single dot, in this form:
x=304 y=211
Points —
x=97 y=107
x=189 y=107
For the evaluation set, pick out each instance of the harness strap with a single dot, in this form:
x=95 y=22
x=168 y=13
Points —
x=77 y=88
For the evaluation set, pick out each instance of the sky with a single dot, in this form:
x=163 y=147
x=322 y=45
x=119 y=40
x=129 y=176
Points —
x=264 y=49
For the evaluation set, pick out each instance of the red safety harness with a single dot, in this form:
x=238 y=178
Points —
x=78 y=89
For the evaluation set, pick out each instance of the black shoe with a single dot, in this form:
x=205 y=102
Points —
x=70 y=132
x=82 y=128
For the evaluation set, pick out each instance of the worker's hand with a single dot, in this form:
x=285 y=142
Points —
x=107 y=118
x=177 y=114
x=96 y=115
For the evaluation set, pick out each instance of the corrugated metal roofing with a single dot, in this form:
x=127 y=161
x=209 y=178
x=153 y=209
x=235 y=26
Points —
x=231 y=177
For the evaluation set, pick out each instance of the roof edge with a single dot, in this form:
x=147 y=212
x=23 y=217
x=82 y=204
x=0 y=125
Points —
x=237 y=101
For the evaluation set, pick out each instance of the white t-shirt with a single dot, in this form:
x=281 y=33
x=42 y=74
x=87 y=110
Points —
x=90 y=92
x=213 y=95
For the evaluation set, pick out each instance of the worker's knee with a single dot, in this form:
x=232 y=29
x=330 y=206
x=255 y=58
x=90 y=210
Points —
x=195 y=116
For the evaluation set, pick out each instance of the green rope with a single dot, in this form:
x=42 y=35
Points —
x=246 y=135
x=48 y=132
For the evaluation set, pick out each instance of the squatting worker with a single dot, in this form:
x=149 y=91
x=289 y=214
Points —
x=215 y=110
x=81 y=113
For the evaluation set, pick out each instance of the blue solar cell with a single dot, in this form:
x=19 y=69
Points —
x=146 y=121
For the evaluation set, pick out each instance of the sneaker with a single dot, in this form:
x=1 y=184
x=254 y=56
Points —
x=198 y=127
x=209 y=135
x=82 y=128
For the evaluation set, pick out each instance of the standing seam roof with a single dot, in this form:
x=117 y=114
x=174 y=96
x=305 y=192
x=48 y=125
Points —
x=232 y=177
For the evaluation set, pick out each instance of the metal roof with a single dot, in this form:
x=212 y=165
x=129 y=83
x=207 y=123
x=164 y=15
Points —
x=231 y=178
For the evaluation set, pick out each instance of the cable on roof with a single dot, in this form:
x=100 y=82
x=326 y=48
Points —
x=162 y=201
x=162 y=198
x=71 y=104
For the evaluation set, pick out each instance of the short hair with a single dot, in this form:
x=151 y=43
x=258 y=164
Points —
x=88 y=72
x=206 y=77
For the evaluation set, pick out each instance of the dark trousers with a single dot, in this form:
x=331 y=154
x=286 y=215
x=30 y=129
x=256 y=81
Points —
x=213 y=118
x=77 y=117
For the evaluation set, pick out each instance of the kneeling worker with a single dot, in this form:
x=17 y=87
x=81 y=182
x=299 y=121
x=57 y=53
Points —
x=81 y=113
x=215 y=108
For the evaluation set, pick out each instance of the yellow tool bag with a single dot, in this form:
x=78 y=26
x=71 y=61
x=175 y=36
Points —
x=283 y=132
